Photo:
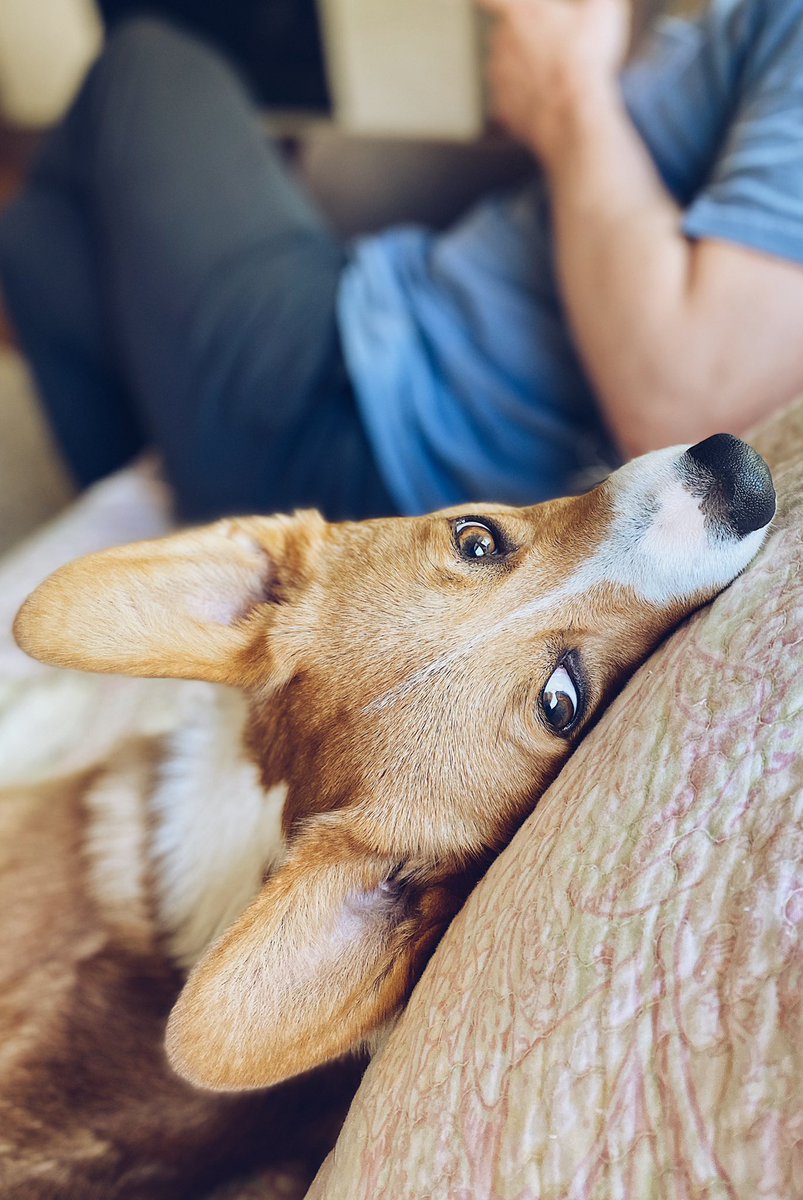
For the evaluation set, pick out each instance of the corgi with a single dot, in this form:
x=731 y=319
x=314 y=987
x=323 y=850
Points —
x=371 y=710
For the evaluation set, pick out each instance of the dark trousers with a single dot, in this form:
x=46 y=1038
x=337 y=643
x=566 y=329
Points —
x=173 y=286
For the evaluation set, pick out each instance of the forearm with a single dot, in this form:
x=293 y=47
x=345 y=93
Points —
x=627 y=278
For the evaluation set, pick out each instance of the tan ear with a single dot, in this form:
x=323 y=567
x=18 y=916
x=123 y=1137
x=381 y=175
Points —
x=180 y=606
x=323 y=956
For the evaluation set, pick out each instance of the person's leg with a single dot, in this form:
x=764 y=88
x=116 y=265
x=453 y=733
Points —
x=216 y=278
x=219 y=274
x=49 y=286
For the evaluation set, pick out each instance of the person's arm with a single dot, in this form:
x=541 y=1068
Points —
x=680 y=338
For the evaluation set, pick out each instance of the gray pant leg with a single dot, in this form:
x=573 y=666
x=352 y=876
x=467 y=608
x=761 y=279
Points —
x=220 y=275
x=216 y=275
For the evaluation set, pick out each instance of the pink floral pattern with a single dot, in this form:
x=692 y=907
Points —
x=616 y=1011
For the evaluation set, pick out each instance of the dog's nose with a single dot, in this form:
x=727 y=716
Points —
x=734 y=481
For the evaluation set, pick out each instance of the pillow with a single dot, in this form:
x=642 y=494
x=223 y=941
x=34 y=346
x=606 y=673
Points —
x=615 y=1012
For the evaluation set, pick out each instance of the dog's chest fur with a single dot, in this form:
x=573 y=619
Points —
x=215 y=830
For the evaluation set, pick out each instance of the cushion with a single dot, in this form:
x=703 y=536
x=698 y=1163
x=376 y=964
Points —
x=616 y=1010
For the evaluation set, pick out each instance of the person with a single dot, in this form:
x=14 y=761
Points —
x=172 y=284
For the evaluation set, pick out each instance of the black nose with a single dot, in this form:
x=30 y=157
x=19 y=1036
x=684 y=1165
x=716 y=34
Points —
x=735 y=482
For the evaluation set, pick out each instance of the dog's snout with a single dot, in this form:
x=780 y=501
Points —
x=735 y=481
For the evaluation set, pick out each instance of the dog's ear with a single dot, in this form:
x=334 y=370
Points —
x=317 y=963
x=185 y=606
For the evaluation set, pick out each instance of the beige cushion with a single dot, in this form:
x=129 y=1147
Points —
x=616 y=1011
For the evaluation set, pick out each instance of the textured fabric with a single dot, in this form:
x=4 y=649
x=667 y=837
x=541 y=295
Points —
x=616 y=1012
x=466 y=377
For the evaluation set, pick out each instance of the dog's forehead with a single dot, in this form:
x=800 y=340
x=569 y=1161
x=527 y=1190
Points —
x=395 y=606
x=393 y=595
x=556 y=534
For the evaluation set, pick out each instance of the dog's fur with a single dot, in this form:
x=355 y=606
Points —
x=299 y=851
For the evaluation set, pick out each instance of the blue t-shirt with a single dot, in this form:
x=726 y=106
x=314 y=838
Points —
x=464 y=369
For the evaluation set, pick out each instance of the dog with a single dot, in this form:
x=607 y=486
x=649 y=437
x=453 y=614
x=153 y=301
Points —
x=380 y=705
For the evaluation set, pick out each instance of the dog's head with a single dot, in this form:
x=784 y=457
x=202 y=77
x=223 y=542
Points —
x=416 y=683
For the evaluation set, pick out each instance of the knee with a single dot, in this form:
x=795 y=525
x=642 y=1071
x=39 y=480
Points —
x=148 y=87
x=150 y=46
x=142 y=38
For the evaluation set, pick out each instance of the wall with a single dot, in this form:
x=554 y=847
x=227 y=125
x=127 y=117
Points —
x=45 y=46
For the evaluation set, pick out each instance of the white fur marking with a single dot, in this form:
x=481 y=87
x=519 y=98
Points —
x=218 y=829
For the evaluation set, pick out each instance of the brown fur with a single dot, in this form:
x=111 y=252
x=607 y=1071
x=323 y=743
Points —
x=89 y=1108
x=407 y=731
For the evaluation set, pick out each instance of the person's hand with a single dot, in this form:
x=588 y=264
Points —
x=546 y=57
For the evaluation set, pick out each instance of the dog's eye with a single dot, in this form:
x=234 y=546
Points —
x=559 y=700
x=475 y=540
